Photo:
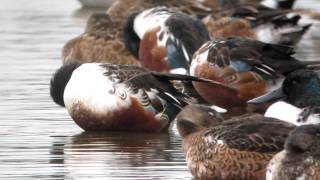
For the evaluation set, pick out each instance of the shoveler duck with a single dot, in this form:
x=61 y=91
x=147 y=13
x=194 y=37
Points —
x=118 y=97
x=299 y=98
x=243 y=69
x=239 y=148
x=300 y=158
x=101 y=42
x=164 y=39
x=257 y=22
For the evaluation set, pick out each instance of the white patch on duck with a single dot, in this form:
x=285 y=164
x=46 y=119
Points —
x=267 y=33
x=289 y=113
x=179 y=71
x=200 y=58
x=149 y=19
x=88 y=85
x=218 y=109
x=270 y=3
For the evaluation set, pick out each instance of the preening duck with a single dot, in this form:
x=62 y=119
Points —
x=238 y=148
x=164 y=39
x=300 y=158
x=244 y=68
x=118 y=97
x=101 y=42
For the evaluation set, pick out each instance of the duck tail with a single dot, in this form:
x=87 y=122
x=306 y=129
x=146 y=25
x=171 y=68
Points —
x=290 y=29
x=188 y=94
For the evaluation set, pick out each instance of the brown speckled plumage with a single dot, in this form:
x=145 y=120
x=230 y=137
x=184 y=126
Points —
x=101 y=42
x=239 y=148
x=229 y=27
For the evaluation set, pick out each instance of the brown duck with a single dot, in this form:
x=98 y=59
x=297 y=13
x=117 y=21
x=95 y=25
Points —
x=101 y=42
x=239 y=148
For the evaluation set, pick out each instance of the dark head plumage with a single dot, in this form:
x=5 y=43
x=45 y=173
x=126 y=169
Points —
x=302 y=86
x=305 y=138
x=192 y=32
x=130 y=38
x=59 y=81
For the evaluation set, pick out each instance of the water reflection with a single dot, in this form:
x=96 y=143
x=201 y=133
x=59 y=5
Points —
x=139 y=155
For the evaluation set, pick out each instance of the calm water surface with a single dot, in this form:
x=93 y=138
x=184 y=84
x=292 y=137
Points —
x=38 y=139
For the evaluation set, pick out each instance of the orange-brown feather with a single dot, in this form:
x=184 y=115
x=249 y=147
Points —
x=152 y=56
x=86 y=48
x=221 y=96
x=217 y=161
x=242 y=86
x=229 y=27
x=133 y=118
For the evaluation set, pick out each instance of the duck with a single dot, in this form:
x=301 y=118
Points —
x=236 y=148
x=258 y=22
x=101 y=42
x=243 y=69
x=164 y=39
x=298 y=97
x=111 y=97
x=300 y=158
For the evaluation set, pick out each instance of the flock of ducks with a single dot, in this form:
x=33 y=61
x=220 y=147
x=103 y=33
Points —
x=146 y=64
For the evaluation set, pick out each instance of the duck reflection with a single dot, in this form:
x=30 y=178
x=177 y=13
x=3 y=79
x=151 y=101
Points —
x=120 y=154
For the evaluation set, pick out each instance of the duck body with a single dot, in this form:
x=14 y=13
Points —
x=164 y=39
x=298 y=97
x=238 y=148
x=114 y=98
x=245 y=68
x=258 y=22
x=293 y=114
x=300 y=159
x=101 y=42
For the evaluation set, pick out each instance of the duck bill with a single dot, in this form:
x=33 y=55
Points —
x=273 y=96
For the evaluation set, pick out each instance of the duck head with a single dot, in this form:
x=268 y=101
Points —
x=196 y=117
x=300 y=88
x=59 y=81
x=304 y=139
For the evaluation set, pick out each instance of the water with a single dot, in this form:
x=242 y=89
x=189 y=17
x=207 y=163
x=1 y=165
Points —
x=38 y=140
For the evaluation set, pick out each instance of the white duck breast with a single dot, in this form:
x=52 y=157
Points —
x=150 y=19
x=289 y=113
x=89 y=86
